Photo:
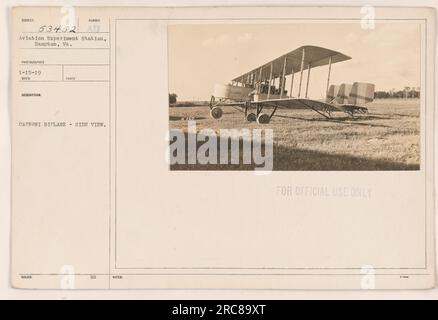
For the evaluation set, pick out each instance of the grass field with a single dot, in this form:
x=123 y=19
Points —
x=387 y=138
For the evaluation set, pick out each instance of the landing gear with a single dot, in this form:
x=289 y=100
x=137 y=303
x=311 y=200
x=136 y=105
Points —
x=352 y=109
x=263 y=118
x=327 y=111
x=251 y=117
x=257 y=116
x=216 y=112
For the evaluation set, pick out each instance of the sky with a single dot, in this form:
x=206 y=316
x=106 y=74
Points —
x=202 y=55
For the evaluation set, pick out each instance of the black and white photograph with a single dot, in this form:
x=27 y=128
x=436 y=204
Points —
x=315 y=96
x=219 y=151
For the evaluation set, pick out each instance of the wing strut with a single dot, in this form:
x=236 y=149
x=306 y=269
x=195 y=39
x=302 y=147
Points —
x=283 y=77
x=308 y=77
x=270 y=80
x=328 y=77
x=291 y=83
x=260 y=81
x=302 y=68
x=314 y=109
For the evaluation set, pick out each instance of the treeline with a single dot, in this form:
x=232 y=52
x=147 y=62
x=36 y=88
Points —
x=172 y=97
x=406 y=93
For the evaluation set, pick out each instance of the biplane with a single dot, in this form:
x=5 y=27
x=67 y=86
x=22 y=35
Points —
x=265 y=87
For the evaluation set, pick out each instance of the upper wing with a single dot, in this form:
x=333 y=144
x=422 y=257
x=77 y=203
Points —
x=313 y=57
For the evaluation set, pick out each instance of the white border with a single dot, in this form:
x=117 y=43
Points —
x=6 y=292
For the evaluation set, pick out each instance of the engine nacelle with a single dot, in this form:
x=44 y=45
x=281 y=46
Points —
x=228 y=91
x=361 y=93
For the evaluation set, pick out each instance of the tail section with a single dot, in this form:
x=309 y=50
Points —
x=361 y=93
x=332 y=93
x=343 y=93
x=352 y=98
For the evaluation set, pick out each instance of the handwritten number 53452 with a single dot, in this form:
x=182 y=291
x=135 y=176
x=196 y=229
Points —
x=51 y=28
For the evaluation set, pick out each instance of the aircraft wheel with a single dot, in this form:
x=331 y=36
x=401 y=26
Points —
x=263 y=118
x=216 y=113
x=250 y=117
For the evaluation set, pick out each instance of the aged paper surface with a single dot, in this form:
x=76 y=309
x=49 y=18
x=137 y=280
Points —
x=119 y=173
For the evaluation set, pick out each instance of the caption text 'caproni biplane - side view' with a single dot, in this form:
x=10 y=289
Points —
x=265 y=87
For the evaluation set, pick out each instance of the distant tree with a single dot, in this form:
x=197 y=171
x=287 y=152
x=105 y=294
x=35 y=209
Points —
x=172 y=97
x=407 y=89
x=381 y=95
x=406 y=92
